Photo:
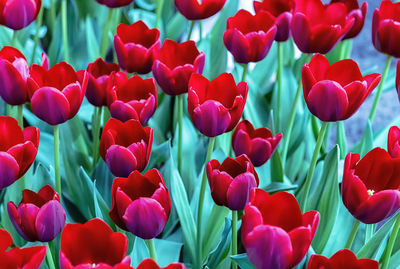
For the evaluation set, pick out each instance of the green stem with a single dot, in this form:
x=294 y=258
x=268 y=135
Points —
x=152 y=249
x=52 y=14
x=353 y=234
x=279 y=73
x=64 y=29
x=234 y=236
x=20 y=116
x=160 y=5
x=245 y=70
x=369 y=231
x=389 y=248
x=57 y=159
x=199 y=253
x=96 y=124
x=314 y=159
x=104 y=40
x=49 y=257
x=36 y=38
x=341 y=138
x=380 y=88
x=200 y=31
x=180 y=137
x=14 y=39
x=190 y=30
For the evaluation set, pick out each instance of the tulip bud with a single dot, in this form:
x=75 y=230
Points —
x=344 y=258
x=18 y=14
x=199 y=10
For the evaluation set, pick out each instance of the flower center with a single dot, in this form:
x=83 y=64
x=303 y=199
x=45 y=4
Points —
x=370 y=192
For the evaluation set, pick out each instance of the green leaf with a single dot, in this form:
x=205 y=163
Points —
x=221 y=251
x=276 y=168
x=367 y=141
x=92 y=45
x=214 y=226
x=243 y=261
x=277 y=186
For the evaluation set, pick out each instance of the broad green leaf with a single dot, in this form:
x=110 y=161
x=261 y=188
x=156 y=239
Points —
x=92 y=45
x=214 y=226
x=243 y=261
x=277 y=186
x=221 y=251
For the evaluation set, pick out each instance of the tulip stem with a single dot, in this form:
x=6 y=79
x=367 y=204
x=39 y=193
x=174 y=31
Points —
x=380 y=88
x=96 y=125
x=353 y=234
x=180 y=136
x=234 y=236
x=200 y=31
x=49 y=257
x=199 y=254
x=245 y=71
x=389 y=248
x=36 y=38
x=64 y=29
x=369 y=231
x=20 y=116
x=14 y=39
x=52 y=14
x=57 y=159
x=341 y=139
x=152 y=249
x=279 y=74
x=160 y=5
x=104 y=40
x=313 y=163
x=191 y=29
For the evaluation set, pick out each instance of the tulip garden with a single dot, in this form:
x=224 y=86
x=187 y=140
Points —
x=195 y=134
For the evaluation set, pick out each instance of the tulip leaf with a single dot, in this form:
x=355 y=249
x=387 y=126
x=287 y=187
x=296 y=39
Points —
x=97 y=210
x=276 y=168
x=176 y=26
x=341 y=139
x=277 y=186
x=243 y=261
x=214 y=226
x=394 y=261
x=92 y=45
x=221 y=251
x=367 y=141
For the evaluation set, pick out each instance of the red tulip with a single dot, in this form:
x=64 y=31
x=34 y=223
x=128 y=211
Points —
x=393 y=143
x=335 y=92
x=114 y=3
x=17 y=14
x=317 y=28
x=343 y=259
x=15 y=258
x=357 y=12
x=134 y=98
x=257 y=144
x=39 y=216
x=371 y=186
x=135 y=46
x=56 y=94
x=282 y=12
x=175 y=63
x=216 y=106
x=386 y=28
x=199 y=10
x=232 y=181
x=274 y=232
x=249 y=37
x=141 y=203
x=150 y=264
x=18 y=150
x=125 y=147
x=92 y=244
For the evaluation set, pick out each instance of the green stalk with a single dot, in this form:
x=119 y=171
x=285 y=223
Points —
x=353 y=234
x=57 y=159
x=279 y=74
x=14 y=39
x=200 y=31
x=380 y=88
x=49 y=257
x=20 y=116
x=190 y=30
x=160 y=5
x=340 y=133
x=180 y=137
x=96 y=124
x=36 y=38
x=369 y=231
x=389 y=248
x=245 y=71
x=234 y=237
x=152 y=249
x=104 y=40
x=313 y=163
x=64 y=29
x=199 y=253
x=52 y=14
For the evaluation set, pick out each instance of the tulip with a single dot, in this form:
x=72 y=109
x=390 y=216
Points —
x=18 y=150
x=26 y=258
x=317 y=28
x=141 y=203
x=134 y=98
x=199 y=10
x=216 y=106
x=232 y=181
x=335 y=92
x=357 y=12
x=385 y=28
x=39 y=216
x=92 y=244
x=371 y=186
x=18 y=14
x=281 y=10
x=151 y=264
x=56 y=94
x=257 y=144
x=343 y=259
x=275 y=233
x=398 y=79
x=114 y=3
x=135 y=46
x=249 y=37
x=393 y=145
x=125 y=147
x=175 y=63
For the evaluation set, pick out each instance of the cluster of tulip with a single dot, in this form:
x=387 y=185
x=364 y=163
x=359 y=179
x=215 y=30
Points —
x=285 y=221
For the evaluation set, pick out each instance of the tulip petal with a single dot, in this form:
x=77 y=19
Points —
x=19 y=13
x=50 y=221
x=9 y=170
x=238 y=193
x=24 y=154
x=120 y=161
x=13 y=89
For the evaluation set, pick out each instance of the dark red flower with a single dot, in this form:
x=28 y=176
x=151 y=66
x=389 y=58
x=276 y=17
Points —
x=393 y=143
x=18 y=150
x=199 y=10
x=151 y=264
x=317 y=28
x=56 y=94
x=386 y=28
x=126 y=147
x=175 y=63
x=257 y=144
x=274 y=232
x=135 y=46
x=17 y=14
x=232 y=181
x=39 y=216
x=249 y=37
x=141 y=203
x=343 y=259
x=16 y=258
x=134 y=98
x=92 y=244
x=335 y=92
x=216 y=106
x=357 y=12
x=114 y=3
x=282 y=12
x=371 y=186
